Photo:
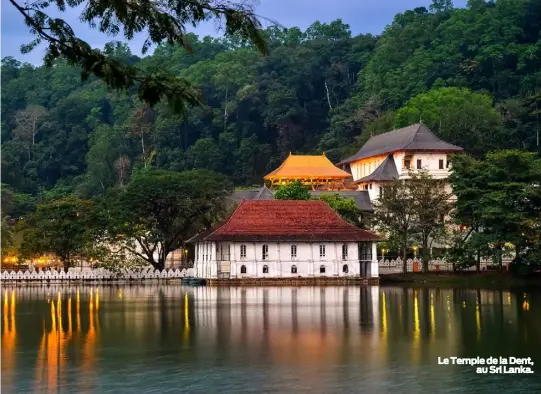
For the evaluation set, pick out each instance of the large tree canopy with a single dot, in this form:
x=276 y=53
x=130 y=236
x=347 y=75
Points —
x=63 y=227
x=159 y=210
x=162 y=21
x=500 y=198
x=457 y=116
x=477 y=69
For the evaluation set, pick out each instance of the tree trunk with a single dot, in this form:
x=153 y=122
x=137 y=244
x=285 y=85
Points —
x=478 y=262
x=425 y=254
x=328 y=97
x=143 y=148
x=404 y=256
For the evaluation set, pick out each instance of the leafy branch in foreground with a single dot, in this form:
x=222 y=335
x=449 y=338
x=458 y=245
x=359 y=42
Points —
x=164 y=21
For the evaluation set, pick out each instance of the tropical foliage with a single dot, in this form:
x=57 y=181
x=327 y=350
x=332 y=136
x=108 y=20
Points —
x=499 y=198
x=471 y=74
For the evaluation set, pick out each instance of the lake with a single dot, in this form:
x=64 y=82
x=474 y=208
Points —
x=171 y=338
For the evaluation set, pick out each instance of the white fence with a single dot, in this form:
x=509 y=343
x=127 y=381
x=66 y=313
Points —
x=76 y=274
x=416 y=265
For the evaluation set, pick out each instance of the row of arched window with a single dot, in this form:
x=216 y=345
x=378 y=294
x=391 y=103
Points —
x=345 y=269
x=265 y=251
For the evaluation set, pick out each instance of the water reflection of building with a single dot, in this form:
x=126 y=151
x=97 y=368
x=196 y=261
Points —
x=310 y=326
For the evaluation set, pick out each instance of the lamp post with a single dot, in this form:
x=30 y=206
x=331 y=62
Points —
x=415 y=249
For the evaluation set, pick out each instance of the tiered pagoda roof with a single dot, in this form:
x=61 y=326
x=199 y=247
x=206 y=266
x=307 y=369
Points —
x=313 y=170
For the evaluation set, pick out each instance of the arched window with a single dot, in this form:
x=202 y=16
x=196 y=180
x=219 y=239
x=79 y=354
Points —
x=322 y=269
x=265 y=252
x=242 y=269
x=293 y=269
x=345 y=269
x=265 y=269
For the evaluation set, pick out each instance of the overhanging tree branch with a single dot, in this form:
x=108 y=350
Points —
x=163 y=20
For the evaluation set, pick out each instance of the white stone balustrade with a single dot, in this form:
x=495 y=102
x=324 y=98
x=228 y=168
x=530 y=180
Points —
x=76 y=274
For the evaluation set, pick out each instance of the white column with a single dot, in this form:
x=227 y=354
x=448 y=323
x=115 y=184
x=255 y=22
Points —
x=374 y=266
x=278 y=261
x=213 y=261
x=232 y=260
x=255 y=273
x=337 y=260
x=311 y=262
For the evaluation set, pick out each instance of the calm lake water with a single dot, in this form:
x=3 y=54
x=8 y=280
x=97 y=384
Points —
x=170 y=338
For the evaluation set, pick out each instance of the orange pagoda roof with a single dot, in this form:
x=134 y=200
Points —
x=302 y=167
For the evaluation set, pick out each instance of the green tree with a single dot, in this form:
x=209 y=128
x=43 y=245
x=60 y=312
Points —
x=395 y=215
x=159 y=210
x=163 y=22
x=501 y=198
x=431 y=205
x=292 y=191
x=7 y=236
x=205 y=154
x=345 y=207
x=63 y=227
x=458 y=116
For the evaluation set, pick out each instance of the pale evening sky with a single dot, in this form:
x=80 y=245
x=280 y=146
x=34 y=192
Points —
x=363 y=16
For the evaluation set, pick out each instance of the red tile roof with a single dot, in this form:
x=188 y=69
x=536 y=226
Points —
x=285 y=220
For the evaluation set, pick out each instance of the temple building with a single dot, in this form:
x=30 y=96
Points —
x=318 y=172
x=285 y=239
x=360 y=197
x=394 y=154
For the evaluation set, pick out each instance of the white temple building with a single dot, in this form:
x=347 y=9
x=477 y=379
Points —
x=285 y=239
x=394 y=154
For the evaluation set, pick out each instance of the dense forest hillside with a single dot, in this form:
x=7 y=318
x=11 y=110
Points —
x=472 y=75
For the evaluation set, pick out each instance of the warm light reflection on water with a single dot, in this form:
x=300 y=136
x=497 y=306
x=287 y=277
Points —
x=316 y=339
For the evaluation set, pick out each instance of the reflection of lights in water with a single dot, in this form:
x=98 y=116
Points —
x=478 y=321
x=97 y=302
x=384 y=315
x=186 y=316
x=119 y=295
x=53 y=317
x=416 y=327
x=69 y=315
x=9 y=336
x=432 y=319
x=78 y=312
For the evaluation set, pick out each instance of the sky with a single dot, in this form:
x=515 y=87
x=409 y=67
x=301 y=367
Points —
x=363 y=16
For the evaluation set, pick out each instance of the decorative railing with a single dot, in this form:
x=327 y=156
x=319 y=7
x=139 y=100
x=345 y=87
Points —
x=416 y=265
x=76 y=274
x=413 y=265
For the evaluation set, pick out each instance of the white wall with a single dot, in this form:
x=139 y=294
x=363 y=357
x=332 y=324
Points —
x=429 y=161
x=279 y=261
